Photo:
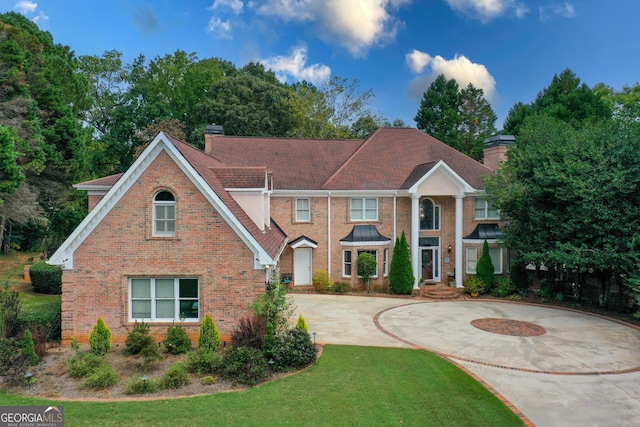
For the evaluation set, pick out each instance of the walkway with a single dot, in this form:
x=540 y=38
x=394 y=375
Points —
x=559 y=367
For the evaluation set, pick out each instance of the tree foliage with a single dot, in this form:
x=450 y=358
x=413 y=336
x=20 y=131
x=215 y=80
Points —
x=366 y=268
x=566 y=99
x=485 y=268
x=461 y=118
x=400 y=272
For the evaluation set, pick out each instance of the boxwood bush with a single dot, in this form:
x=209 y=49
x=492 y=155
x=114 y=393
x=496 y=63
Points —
x=45 y=317
x=46 y=278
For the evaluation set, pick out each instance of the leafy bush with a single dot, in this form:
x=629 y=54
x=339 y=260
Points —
x=137 y=386
x=275 y=307
x=138 y=339
x=474 y=285
x=400 y=272
x=503 y=287
x=321 y=281
x=103 y=377
x=46 y=278
x=203 y=361
x=485 y=268
x=9 y=312
x=244 y=365
x=28 y=349
x=367 y=265
x=340 y=287
x=84 y=364
x=519 y=275
x=176 y=376
x=208 y=335
x=100 y=338
x=208 y=380
x=292 y=350
x=302 y=324
x=177 y=341
x=9 y=352
x=250 y=332
x=46 y=318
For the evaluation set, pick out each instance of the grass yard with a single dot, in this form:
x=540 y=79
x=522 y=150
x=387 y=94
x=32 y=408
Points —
x=355 y=386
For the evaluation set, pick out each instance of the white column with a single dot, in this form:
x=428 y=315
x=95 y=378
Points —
x=459 y=216
x=415 y=238
x=329 y=234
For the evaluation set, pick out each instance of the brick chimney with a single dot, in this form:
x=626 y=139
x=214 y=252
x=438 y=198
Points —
x=211 y=131
x=495 y=150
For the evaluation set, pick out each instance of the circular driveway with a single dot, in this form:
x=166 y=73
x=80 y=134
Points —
x=568 y=342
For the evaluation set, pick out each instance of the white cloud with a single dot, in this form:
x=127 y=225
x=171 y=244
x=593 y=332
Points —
x=356 y=25
x=486 y=10
x=459 y=68
x=563 y=10
x=25 y=7
x=219 y=28
x=295 y=66
x=41 y=18
x=234 y=5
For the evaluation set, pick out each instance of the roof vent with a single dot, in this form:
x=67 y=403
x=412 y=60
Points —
x=214 y=129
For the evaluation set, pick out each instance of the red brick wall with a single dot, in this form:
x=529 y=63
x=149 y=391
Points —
x=122 y=246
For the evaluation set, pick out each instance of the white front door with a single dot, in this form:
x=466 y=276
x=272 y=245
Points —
x=302 y=266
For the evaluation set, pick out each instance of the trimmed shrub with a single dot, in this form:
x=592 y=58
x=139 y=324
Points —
x=9 y=312
x=9 y=352
x=250 y=332
x=321 y=281
x=100 y=338
x=302 y=324
x=46 y=278
x=84 y=364
x=208 y=335
x=340 y=287
x=138 y=339
x=103 y=377
x=28 y=349
x=203 y=361
x=503 y=287
x=400 y=272
x=367 y=265
x=485 y=268
x=136 y=386
x=176 y=376
x=474 y=285
x=45 y=318
x=208 y=380
x=244 y=365
x=177 y=341
x=292 y=350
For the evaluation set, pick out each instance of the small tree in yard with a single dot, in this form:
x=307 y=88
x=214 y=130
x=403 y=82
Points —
x=100 y=338
x=209 y=337
x=28 y=349
x=485 y=269
x=400 y=273
x=366 y=268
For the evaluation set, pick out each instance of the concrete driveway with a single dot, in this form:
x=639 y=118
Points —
x=559 y=367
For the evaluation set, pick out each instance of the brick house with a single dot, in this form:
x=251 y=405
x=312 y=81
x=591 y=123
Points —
x=183 y=232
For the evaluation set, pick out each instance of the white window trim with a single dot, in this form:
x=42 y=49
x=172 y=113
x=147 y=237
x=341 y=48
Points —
x=158 y=203
x=467 y=258
x=373 y=252
x=153 y=299
x=385 y=262
x=437 y=211
x=344 y=263
x=363 y=210
x=485 y=212
x=308 y=210
x=497 y=269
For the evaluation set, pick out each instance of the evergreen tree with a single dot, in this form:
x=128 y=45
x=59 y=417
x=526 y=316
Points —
x=400 y=273
x=100 y=338
x=485 y=268
x=29 y=349
x=208 y=337
x=302 y=324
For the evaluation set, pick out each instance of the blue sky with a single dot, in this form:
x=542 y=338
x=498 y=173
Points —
x=509 y=48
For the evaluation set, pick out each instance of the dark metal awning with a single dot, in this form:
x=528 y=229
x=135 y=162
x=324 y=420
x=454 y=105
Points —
x=364 y=235
x=489 y=232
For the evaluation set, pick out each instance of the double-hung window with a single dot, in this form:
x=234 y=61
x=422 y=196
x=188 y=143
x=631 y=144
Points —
x=363 y=209
x=472 y=260
x=164 y=214
x=486 y=209
x=163 y=299
x=346 y=263
x=496 y=259
x=303 y=210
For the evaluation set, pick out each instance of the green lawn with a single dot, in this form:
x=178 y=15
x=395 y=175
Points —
x=355 y=386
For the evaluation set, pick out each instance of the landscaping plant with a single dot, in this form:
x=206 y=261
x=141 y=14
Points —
x=28 y=349
x=176 y=376
x=244 y=365
x=485 y=268
x=103 y=377
x=302 y=324
x=100 y=338
x=208 y=335
x=249 y=332
x=9 y=311
x=46 y=278
x=291 y=350
x=400 y=272
x=321 y=281
x=177 y=341
x=367 y=265
x=203 y=361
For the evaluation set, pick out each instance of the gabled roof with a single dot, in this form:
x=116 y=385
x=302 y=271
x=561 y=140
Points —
x=390 y=159
x=199 y=167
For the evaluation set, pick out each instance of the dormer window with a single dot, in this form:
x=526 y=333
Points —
x=164 y=214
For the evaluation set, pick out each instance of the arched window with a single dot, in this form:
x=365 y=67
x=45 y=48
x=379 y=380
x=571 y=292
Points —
x=164 y=214
x=429 y=215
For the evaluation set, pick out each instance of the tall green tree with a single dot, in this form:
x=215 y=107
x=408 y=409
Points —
x=566 y=99
x=401 y=275
x=461 y=118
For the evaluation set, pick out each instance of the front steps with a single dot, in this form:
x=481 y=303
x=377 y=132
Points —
x=440 y=291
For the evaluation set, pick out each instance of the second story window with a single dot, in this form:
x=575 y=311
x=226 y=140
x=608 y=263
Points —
x=164 y=214
x=303 y=210
x=364 y=209
x=429 y=215
x=486 y=209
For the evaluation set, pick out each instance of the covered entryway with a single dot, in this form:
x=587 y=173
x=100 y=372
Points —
x=303 y=260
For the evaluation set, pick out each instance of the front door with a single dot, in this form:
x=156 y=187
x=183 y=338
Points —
x=302 y=266
x=430 y=264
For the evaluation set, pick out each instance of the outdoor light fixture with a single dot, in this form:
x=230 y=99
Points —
x=144 y=379
x=28 y=378
x=314 y=338
x=449 y=248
